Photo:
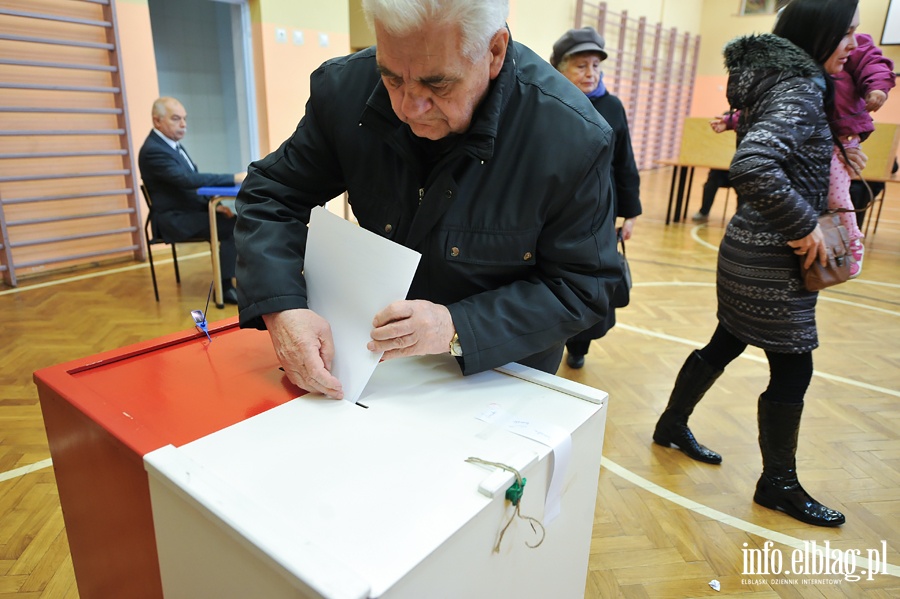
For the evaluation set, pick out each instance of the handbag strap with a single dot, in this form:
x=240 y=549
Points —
x=620 y=239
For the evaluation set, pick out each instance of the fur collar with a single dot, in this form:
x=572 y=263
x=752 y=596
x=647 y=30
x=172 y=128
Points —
x=758 y=62
x=769 y=52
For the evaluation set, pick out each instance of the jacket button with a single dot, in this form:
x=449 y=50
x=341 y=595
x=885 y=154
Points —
x=388 y=228
x=448 y=194
x=454 y=251
x=527 y=256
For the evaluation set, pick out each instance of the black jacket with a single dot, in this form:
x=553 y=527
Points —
x=173 y=187
x=515 y=221
x=626 y=178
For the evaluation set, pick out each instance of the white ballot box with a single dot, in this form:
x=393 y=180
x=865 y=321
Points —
x=325 y=498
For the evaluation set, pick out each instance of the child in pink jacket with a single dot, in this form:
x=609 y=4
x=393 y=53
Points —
x=862 y=87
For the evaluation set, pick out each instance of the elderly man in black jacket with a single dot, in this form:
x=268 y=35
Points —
x=455 y=141
x=172 y=180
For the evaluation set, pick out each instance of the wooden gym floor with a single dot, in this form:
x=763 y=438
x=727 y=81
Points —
x=664 y=526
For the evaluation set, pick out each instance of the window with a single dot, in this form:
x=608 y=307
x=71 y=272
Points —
x=761 y=7
x=891 y=33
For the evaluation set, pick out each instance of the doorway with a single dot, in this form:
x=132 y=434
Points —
x=204 y=58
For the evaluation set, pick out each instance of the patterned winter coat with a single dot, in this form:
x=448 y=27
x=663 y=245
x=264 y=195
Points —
x=780 y=172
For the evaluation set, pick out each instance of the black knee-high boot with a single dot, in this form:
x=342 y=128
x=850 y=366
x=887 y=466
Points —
x=693 y=381
x=778 y=487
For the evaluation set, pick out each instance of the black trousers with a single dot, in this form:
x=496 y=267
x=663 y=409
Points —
x=717 y=178
x=789 y=374
x=196 y=225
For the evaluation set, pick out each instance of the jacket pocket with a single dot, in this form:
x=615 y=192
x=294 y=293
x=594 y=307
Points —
x=375 y=213
x=491 y=248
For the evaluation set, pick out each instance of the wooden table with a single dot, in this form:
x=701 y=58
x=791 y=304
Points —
x=216 y=196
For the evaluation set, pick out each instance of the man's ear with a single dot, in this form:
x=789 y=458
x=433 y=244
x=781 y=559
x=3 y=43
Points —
x=497 y=48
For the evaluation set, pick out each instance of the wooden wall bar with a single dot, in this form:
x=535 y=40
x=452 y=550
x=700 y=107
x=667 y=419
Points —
x=67 y=192
x=652 y=71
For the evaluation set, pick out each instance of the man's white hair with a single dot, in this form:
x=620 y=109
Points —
x=478 y=20
x=161 y=106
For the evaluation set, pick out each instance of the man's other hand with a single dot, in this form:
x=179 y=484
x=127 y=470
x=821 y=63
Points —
x=412 y=328
x=305 y=348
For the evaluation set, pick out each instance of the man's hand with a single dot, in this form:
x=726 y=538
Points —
x=812 y=246
x=875 y=99
x=412 y=328
x=303 y=344
x=222 y=209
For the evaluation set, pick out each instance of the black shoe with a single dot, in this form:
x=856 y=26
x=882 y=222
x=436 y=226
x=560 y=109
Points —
x=694 y=380
x=793 y=500
x=680 y=436
x=229 y=296
x=778 y=487
x=575 y=360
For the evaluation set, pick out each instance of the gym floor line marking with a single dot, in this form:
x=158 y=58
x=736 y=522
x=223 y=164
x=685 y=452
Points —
x=722 y=517
x=103 y=273
x=17 y=472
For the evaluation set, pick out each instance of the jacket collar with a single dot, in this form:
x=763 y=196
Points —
x=478 y=141
x=173 y=145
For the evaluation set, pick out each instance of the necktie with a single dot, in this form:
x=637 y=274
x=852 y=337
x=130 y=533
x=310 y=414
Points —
x=185 y=156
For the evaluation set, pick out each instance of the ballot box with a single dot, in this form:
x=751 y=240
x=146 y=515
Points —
x=191 y=469
x=325 y=498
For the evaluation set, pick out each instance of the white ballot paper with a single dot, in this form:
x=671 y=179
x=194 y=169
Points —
x=351 y=275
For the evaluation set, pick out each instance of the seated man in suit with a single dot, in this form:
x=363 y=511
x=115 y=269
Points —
x=172 y=179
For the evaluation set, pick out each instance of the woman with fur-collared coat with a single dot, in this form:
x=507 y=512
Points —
x=780 y=82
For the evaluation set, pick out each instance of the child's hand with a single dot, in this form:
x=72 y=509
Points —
x=875 y=99
x=718 y=124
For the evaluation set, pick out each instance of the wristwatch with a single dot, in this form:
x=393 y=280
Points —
x=455 y=347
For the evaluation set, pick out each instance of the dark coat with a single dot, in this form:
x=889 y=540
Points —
x=514 y=220
x=173 y=189
x=626 y=178
x=780 y=172
x=627 y=186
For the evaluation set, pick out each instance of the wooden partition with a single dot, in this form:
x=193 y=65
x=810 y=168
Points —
x=881 y=148
x=67 y=193
x=701 y=146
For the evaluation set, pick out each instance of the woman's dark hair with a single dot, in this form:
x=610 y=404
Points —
x=816 y=26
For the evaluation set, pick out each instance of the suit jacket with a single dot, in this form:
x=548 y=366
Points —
x=172 y=186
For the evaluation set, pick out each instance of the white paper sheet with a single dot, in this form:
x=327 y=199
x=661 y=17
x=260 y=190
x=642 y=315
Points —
x=351 y=275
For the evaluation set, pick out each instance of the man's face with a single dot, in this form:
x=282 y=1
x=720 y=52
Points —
x=432 y=86
x=174 y=124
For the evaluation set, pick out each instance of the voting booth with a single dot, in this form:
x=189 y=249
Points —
x=190 y=469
